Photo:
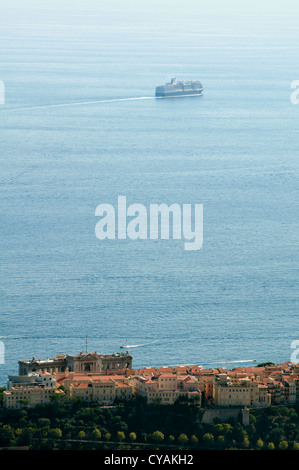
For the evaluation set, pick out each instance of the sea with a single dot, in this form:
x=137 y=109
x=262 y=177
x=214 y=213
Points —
x=80 y=126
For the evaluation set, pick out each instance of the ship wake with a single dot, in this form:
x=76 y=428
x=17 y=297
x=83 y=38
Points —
x=129 y=346
x=81 y=103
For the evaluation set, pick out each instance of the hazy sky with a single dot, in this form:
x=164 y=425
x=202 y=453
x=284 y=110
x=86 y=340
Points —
x=215 y=16
x=155 y=6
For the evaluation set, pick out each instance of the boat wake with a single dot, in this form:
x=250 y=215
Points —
x=79 y=103
x=129 y=346
x=85 y=103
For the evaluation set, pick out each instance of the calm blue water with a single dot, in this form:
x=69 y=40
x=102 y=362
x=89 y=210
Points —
x=234 y=150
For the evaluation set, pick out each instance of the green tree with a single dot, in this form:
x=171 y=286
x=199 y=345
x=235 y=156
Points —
x=87 y=415
x=296 y=446
x=171 y=439
x=25 y=439
x=193 y=440
x=107 y=436
x=96 y=434
x=6 y=434
x=270 y=446
x=23 y=401
x=276 y=435
x=44 y=422
x=132 y=436
x=120 y=436
x=224 y=429
x=239 y=433
x=263 y=364
x=259 y=443
x=208 y=438
x=283 y=445
x=158 y=436
x=183 y=439
x=293 y=415
x=55 y=433
x=60 y=398
x=81 y=434
x=2 y=389
x=246 y=442
x=252 y=419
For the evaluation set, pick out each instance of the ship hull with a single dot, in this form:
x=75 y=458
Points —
x=174 y=94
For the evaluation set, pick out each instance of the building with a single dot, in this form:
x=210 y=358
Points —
x=166 y=388
x=30 y=396
x=102 y=389
x=205 y=379
x=290 y=389
x=82 y=362
x=29 y=391
x=103 y=379
x=239 y=392
x=276 y=390
x=32 y=379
